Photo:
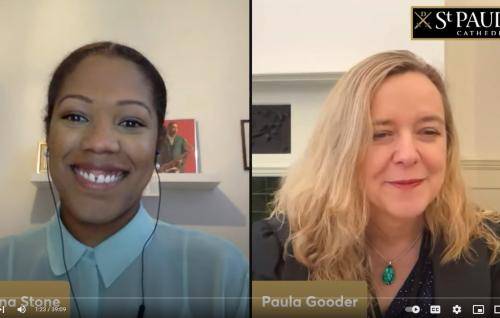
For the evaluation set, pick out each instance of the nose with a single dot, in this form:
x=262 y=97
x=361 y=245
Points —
x=100 y=137
x=406 y=152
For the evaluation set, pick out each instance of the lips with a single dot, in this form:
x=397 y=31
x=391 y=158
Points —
x=98 y=177
x=406 y=183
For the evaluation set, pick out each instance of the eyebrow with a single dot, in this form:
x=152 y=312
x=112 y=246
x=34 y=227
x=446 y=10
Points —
x=134 y=102
x=432 y=118
x=76 y=96
x=425 y=119
x=119 y=103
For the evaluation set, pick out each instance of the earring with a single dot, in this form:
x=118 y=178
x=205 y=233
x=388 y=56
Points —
x=46 y=153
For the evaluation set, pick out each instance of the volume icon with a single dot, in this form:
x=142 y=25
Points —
x=21 y=309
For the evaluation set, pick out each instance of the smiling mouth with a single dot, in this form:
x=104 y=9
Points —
x=406 y=184
x=96 y=178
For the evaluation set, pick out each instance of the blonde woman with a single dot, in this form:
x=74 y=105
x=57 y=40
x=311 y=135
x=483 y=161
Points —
x=378 y=196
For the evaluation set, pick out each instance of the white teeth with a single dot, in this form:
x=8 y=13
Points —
x=111 y=178
x=100 y=179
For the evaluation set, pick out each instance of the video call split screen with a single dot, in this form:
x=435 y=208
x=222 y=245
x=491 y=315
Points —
x=250 y=158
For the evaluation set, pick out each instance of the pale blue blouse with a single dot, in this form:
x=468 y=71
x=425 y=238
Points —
x=186 y=273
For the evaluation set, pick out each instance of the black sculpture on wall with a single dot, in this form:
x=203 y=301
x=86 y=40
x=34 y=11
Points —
x=271 y=129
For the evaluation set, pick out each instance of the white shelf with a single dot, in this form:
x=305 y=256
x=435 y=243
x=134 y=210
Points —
x=296 y=77
x=192 y=181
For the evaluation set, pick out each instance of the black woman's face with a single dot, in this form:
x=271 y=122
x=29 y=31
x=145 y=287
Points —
x=102 y=139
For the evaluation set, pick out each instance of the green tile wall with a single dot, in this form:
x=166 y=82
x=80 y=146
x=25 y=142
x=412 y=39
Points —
x=262 y=193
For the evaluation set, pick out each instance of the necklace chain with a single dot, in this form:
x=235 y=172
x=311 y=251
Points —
x=400 y=255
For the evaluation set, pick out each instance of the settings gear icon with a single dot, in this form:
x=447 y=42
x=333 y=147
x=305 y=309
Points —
x=457 y=309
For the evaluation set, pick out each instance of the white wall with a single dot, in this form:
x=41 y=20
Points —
x=305 y=98
x=296 y=36
x=301 y=39
x=200 y=47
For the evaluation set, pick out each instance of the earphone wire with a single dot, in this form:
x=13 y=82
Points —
x=142 y=307
x=58 y=215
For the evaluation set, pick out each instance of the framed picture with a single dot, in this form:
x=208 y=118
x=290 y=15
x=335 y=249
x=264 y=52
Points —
x=41 y=161
x=245 y=142
x=271 y=129
x=179 y=151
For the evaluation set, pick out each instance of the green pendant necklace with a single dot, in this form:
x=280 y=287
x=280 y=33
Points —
x=389 y=274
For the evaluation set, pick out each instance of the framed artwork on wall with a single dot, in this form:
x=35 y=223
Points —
x=271 y=129
x=41 y=161
x=178 y=152
x=245 y=142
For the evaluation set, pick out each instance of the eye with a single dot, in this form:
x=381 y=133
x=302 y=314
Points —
x=75 y=118
x=430 y=132
x=131 y=123
x=382 y=134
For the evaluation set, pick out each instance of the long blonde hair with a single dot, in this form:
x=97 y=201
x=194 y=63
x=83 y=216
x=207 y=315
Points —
x=323 y=201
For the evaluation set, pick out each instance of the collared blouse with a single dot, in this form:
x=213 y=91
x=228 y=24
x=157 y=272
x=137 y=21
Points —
x=186 y=273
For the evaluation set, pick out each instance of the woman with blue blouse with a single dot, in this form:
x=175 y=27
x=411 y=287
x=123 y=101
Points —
x=103 y=124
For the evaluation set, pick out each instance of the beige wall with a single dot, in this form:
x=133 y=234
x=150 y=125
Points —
x=472 y=76
x=201 y=48
x=472 y=69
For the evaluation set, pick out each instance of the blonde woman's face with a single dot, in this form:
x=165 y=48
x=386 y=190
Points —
x=405 y=163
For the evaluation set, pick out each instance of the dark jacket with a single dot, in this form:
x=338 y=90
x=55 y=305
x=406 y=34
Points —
x=477 y=283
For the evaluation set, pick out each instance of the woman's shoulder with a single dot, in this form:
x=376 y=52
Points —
x=272 y=231
x=20 y=252
x=268 y=242
x=31 y=238
x=488 y=232
x=492 y=221
x=191 y=243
